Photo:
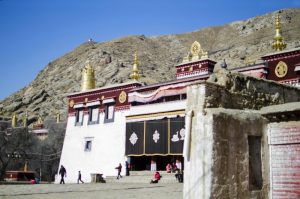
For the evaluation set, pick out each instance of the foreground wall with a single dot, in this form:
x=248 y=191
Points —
x=226 y=130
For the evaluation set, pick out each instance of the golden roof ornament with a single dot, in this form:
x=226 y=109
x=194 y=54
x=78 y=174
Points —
x=135 y=72
x=40 y=120
x=196 y=53
x=14 y=121
x=278 y=43
x=88 y=77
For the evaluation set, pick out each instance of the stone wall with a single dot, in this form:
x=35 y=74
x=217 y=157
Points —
x=226 y=111
x=237 y=91
x=231 y=153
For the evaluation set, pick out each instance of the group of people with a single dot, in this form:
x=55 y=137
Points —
x=63 y=174
x=171 y=167
x=157 y=176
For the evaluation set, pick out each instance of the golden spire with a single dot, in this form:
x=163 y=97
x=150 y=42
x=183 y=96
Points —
x=14 y=121
x=40 y=120
x=88 y=77
x=135 y=72
x=278 y=43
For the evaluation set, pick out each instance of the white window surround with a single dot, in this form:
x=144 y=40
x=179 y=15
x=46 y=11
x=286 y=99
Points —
x=93 y=103
x=107 y=101
x=76 y=106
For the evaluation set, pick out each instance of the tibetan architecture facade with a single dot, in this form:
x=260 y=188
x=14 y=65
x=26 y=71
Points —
x=150 y=126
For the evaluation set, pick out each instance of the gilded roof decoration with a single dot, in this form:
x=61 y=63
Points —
x=278 y=43
x=196 y=53
x=88 y=77
x=135 y=72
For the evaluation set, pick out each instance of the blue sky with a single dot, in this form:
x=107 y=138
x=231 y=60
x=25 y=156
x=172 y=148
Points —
x=35 y=32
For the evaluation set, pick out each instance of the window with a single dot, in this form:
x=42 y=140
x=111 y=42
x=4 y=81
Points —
x=109 y=113
x=79 y=117
x=255 y=173
x=88 y=145
x=93 y=115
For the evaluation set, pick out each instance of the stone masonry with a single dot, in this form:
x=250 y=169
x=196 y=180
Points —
x=228 y=149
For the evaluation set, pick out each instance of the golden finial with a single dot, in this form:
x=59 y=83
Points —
x=14 y=121
x=57 y=117
x=278 y=43
x=196 y=53
x=40 y=120
x=88 y=77
x=135 y=72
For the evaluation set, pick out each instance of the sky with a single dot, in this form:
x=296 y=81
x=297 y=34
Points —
x=36 y=32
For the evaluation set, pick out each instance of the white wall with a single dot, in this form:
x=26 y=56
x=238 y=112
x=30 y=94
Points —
x=157 y=108
x=108 y=148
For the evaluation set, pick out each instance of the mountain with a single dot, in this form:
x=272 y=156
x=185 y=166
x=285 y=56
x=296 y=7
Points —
x=238 y=42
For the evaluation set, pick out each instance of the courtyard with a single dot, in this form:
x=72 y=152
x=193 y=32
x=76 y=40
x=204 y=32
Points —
x=90 y=191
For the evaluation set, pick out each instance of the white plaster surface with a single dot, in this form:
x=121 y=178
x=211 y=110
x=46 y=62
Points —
x=108 y=148
x=157 y=108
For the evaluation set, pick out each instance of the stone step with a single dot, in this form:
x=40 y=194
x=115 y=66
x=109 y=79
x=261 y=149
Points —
x=143 y=177
x=148 y=173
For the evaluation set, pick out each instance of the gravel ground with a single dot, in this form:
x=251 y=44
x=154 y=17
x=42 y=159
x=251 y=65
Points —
x=91 y=191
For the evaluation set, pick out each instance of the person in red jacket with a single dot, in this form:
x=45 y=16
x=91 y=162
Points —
x=157 y=177
x=119 y=168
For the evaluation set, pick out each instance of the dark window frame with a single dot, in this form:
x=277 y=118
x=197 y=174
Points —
x=106 y=113
x=88 y=145
x=77 y=119
x=90 y=122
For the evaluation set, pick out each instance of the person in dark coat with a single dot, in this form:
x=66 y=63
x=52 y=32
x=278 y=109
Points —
x=79 y=177
x=63 y=173
x=127 y=168
x=119 y=171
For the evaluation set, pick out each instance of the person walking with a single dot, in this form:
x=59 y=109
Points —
x=119 y=171
x=79 y=177
x=63 y=173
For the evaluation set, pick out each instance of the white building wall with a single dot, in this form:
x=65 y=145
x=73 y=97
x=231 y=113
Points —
x=157 y=108
x=107 y=151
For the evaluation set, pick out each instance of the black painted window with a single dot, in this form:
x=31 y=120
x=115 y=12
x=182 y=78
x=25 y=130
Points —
x=88 y=145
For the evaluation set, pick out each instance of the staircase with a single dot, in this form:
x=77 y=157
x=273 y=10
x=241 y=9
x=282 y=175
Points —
x=143 y=177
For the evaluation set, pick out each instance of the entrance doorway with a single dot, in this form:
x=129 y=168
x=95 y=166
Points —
x=140 y=163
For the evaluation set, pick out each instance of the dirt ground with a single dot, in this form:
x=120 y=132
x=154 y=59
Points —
x=91 y=191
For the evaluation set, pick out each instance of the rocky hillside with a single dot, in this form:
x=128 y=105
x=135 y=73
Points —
x=237 y=42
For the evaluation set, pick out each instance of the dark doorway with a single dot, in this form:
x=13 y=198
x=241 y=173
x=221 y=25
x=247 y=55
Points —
x=140 y=163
